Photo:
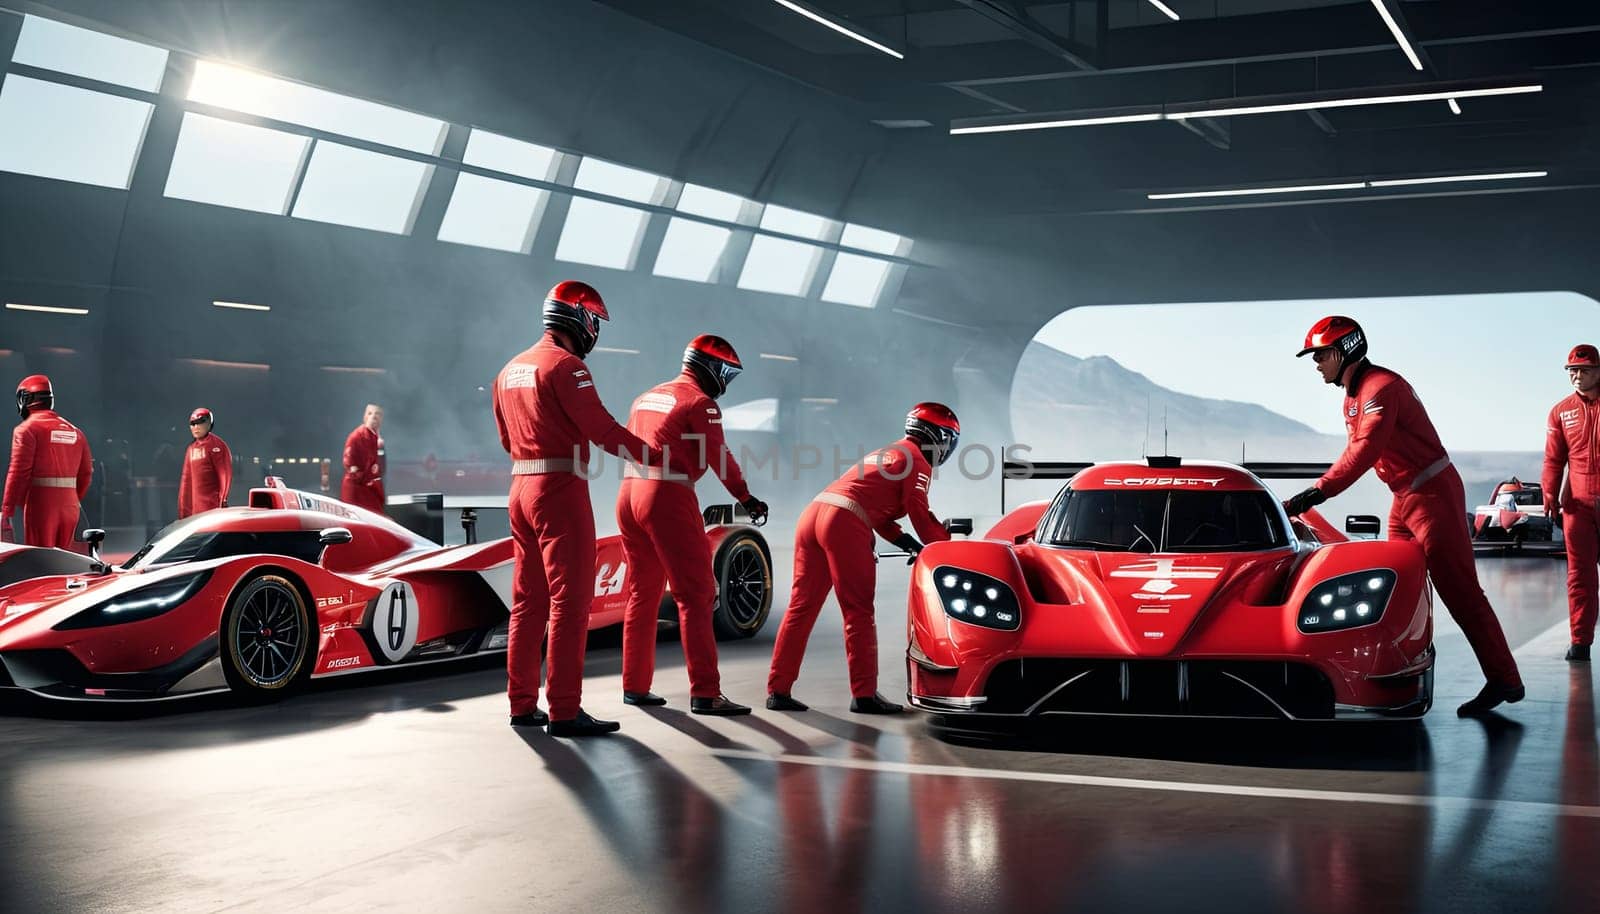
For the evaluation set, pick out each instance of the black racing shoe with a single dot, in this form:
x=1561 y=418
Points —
x=583 y=725
x=643 y=699
x=717 y=707
x=1578 y=653
x=874 y=704
x=1492 y=694
x=536 y=719
x=781 y=701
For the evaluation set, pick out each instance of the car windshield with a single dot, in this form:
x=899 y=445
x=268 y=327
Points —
x=1163 y=521
x=182 y=542
x=155 y=551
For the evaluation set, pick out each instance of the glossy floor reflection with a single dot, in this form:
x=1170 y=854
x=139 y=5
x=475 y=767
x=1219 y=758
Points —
x=411 y=794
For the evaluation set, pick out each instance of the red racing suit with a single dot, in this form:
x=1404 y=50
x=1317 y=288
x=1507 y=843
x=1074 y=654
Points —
x=49 y=475
x=548 y=413
x=1572 y=443
x=1390 y=431
x=663 y=533
x=833 y=549
x=364 y=466
x=207 y=476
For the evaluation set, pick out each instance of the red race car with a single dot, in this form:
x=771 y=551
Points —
x=296 y=586
x=1174 y=589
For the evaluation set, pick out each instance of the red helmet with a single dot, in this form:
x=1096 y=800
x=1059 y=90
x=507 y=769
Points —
x=578 y=309
x=34 y=392
x=1337 y=331
x=202 y=415
x=936 y=427
x=1583 y=355
x=713 y=362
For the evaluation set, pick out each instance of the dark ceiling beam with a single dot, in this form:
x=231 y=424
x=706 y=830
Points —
x=1318 y=32
x=1016 y=19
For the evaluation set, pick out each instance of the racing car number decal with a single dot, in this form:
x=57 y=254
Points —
x=607 y=582
x=395 y=621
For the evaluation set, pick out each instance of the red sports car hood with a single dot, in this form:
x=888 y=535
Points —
x=63 y=595
x=1156 y=600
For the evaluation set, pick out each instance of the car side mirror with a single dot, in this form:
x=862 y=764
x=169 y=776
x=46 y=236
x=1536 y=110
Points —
x=94 y=536
x=335 y=536
x=1363 y=525
x=961 y=526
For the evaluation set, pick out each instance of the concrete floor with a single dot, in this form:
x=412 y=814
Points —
x=412 y=794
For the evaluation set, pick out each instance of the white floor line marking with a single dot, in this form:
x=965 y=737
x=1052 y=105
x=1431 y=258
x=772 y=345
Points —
x=1239 y=790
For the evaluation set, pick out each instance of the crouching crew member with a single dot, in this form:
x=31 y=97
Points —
x=207 y=468
x=548 y=413
x=663 y=533
x=833 y=547
x=50 y=469
x=365 y=463
x=1390 y=431
x=1570 y=444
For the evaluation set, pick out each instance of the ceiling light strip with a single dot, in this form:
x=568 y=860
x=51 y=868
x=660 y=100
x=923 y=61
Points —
x=45 y=309
x=614 y=350
x=241 y=306
x=1346 y=185
x=1357 y=101
x=1399 y=36
x=848 y=33
x=1165 y=9
x=779 y=358
x=1066 y=122
x=219 y=363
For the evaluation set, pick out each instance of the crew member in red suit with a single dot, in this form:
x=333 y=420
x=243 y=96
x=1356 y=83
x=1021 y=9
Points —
x=833 y=549
x=1572 y=443
x=1390 y=431
x=548 y=413
x=663 y=534
x=207 y=468
x=49 y=472
x=364 y=463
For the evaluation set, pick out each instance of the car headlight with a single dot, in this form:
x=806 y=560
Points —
x=139 y=604
x=1347 y=601
x=977 y=599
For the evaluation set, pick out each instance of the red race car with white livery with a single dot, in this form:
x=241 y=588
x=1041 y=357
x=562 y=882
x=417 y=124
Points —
x=1170 y=588
x=296 y=586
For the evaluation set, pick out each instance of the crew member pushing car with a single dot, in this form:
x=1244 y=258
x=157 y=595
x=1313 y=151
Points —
x=50 y=469
x=365 y=463
x=207 y=468
x=833 y=549
x=1572 y=443
x=1390 y=431
x=663 y=535
x=548 y=413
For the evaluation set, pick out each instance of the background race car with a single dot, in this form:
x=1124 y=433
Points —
x=1170 y=588
x=296 y=586
x=1514 y=516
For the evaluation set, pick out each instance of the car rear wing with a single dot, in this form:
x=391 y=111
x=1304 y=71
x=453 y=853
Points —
x=1066 y=469
x=424 y=513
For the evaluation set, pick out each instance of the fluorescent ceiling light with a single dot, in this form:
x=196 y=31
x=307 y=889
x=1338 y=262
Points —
x=350 y=369
x=779 y=358
x=1502 y=176
x=616 y=351
x=58 y=350
x=1399 y=36
x=47 y=309
x=823 y=20
x=1355 y=102
x=1347 y=185
x=1168 y=10
x=824 y=401
x=1454 y=107
x=1066 y=122
x=241 y=306
x=1247 y=191
x=218 y=363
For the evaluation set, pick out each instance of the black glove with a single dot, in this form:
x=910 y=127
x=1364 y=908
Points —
x=756 y=508
x=909 y=543
x=1304 y=501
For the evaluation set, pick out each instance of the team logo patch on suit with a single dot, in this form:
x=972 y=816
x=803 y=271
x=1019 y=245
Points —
x=519 y=376
x=63 y=436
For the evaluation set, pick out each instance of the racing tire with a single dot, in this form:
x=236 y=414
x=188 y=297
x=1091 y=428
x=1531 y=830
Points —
x=268 y=641
x=744 y=587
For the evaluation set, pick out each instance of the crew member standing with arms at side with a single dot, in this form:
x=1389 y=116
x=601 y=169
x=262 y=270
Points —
x=548 y=413
x=663 y=533
x=833 y=548
x=1390 y=431
x=207 y=468
x=49 y=472
x=1572 y=443
x=365 y=463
